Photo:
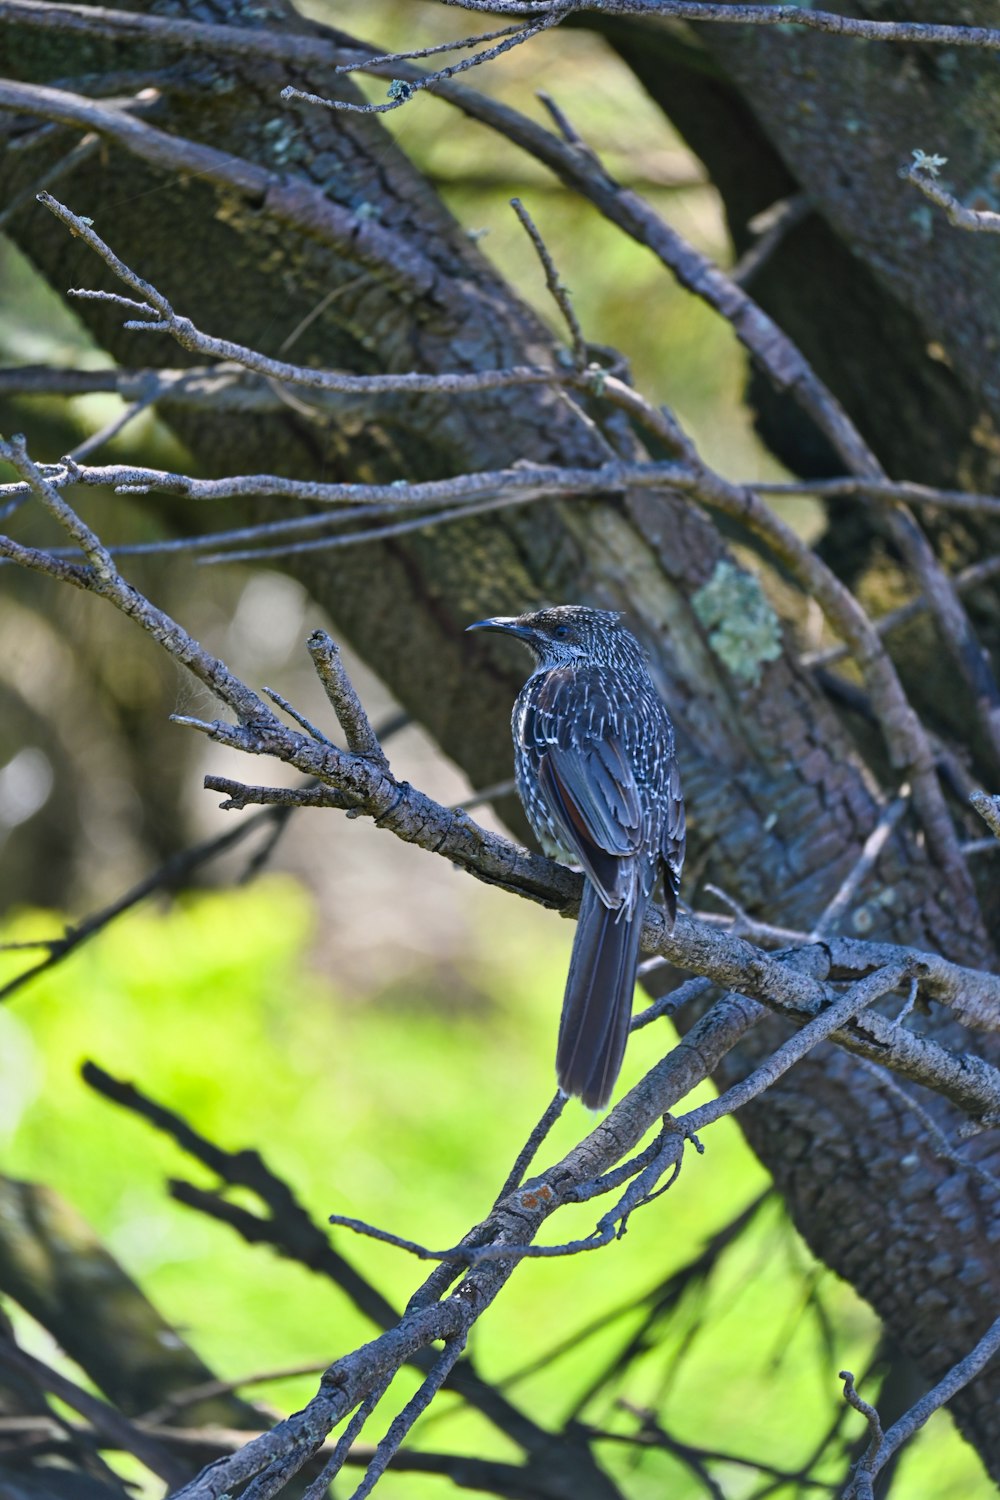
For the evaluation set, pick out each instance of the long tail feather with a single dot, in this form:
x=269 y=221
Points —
x=597 y=1005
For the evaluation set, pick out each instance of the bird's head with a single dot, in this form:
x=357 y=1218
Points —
x=566 y=633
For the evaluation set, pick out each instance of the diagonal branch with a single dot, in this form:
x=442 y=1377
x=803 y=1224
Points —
x=319 y=51
x=923 y=171
x=742 y=14
x=368 y=787
x=884 y=1444
x=908 y=744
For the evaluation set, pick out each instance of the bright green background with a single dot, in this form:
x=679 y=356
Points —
x=406 y=1108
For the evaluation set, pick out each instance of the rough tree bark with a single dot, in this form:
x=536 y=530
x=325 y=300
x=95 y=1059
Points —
x=780 y=799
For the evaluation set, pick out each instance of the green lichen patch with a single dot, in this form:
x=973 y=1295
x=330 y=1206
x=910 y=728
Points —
x=743 y=629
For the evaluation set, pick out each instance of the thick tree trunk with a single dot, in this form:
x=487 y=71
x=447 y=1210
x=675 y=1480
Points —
x=779 y=799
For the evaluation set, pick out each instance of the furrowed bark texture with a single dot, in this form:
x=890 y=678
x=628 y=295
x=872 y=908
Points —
x=779 y=800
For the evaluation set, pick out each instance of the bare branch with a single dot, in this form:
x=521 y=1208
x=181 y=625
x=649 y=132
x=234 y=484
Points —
x=988 y=809
x=771 y=227
x=928 y=33
x=528 y=481
x=907 y=742
x=531 y=1146
x=293 y=713
x=411 y=1411
x=885 y=489
x=156 y=315
x=871 y=1416
x=871 y=849
x=319 y=1487
x=343 y=698
x=369 y=788
x=172 y=873
x=114 y=1428
x=969 y=578
x=559 y=292
x=400 y=91
x=922 y=171
x=308 y=50
x=239 y=796
x=884 y=1444
x=37 y=561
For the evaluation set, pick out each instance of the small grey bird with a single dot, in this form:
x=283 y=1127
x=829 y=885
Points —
x=596 y=771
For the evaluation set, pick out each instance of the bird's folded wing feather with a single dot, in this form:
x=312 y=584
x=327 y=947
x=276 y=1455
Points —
x=587 y=780
x=674 y=837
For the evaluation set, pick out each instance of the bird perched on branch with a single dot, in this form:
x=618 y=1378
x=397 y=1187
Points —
x=596 y=771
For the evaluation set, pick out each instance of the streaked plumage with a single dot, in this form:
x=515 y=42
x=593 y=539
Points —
x=597 y=773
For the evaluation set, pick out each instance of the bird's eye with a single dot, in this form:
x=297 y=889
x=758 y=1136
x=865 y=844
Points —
x=561 y=632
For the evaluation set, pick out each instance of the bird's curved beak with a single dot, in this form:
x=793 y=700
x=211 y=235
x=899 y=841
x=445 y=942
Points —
x=507 y=624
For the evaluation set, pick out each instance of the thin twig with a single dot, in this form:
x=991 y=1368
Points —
x=884 y=1444
x=386 y=59
x=771 y=227
x=529 y=1150
x=401 y=92
x=318 y=51
x=339 y=689
x=559 y=292
x=293 y=713
x=866 y=861
x=907 y=742
x=416 y=1405
x=168 y=876
x=922 y=172
x=318 y=1488
x=113 y=1426
x=969 y=578
x=857 y=488
x=671 y=1003
x=831 y=24
x=988 y=809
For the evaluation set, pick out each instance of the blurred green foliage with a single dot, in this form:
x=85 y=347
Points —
x=406 y=1109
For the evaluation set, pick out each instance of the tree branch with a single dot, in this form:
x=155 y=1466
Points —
x=883 y=1445
x=923 y=171
x=930 y=34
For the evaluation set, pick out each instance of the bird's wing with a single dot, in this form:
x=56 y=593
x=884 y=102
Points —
x=587 y=778
x=674 y=837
